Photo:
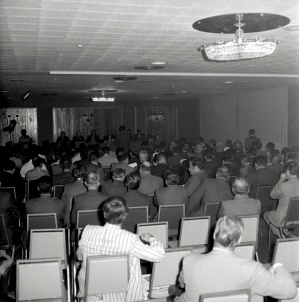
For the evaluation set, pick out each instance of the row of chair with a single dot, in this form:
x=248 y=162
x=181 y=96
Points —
x=46 y=265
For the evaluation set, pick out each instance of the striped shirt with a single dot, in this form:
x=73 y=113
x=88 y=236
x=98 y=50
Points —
x=112 y=240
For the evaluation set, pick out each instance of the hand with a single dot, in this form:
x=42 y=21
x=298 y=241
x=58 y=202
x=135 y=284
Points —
x=4 y=255
x=146 y=237
x=282 y=177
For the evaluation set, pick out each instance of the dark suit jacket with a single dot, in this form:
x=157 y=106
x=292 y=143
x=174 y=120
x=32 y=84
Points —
x=117 y=187
x=150 y=183
x=240 y=205
x=63 y=178
x=194 y=181
x=90 y=200
x=90 y=139
x=171 y=195
x=46 y=204
x=135 y=199
x=210 y=190
x=14 y=180
x=159 y=170
x=261 y=177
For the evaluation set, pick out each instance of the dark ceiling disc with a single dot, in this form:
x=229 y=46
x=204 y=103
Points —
x=254 y=22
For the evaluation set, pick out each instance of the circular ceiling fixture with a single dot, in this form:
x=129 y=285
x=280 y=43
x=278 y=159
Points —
x=254 y=22
x=103 y=90
x=149 y=67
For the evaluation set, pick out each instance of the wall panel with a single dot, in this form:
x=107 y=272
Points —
x=218 y=118
x=26 y=119
x=266 y=111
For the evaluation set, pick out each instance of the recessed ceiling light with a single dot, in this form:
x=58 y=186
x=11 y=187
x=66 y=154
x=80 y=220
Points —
x=79 y=45
x=155 y=97
x=159 y=63
x=4 y=91
x=149 y=67
x=229 y=82
x=184 y=91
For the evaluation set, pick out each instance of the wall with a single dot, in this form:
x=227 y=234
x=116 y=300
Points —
x=187 y=119
x=230 y=117
x=293 y=113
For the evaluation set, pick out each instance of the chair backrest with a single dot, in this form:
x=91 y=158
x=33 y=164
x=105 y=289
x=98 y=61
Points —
x=57 y=191
x=31 y=189
x=211 y=209
x=135 y=215
x=85 y=217
x=165 y=272
x=296 y=299
x=39 y=279
x=245 y=250
x=229 y=296
x=286 y=252
x=41 y=221
x=49 y=243
x=194 y=231
x=263 y=195
x=114 y=280
x=251 y=228
x=293 y=211
x=11 y=190
x=173 y=214
x=4 y=238
x=158 y=229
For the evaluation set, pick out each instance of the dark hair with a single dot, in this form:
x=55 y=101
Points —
x=9 y=165
x=122 y=157
x=36 y=161
x=222 y=172
x=119 y=172
x=92 y=178
x=261 y=160
x=106 y=150
x=198 y=162
x=133 y=181
x=252 y=131
x=252 y=151
x=171 y=177
x=292 y=167
x=115 y=209
x=270 y=146
x=44 y=184
x=79 y=172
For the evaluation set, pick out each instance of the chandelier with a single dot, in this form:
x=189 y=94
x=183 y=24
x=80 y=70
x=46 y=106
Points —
x=239 y=49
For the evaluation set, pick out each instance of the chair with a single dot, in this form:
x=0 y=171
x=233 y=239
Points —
x=11 y=190
x=173 y=214
x=57 y=191
x=41 y=221
x=4 y=238
x=267 y=203
x=165 y=273
x=245 y=250
x=135 y=215
x=158 y=229
x=39 y=280
x=31 y=189
x=251 y=228
x=93 y=217
x=51 y=243
x=296 y=299
x=114 y=280
x=292 y=216
x=195 y=232
x=211 y=209
x=286 y=252
x=229 y=296
x=107 y=174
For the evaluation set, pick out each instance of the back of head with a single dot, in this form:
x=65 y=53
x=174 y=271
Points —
x=122 y=128
x=9 y=165
x=171 y=178
x=260 y=161
x=93 y=156
x=115 y=210
x=145 y=167
x=252 y=152
x=44 y=184
x=133 y=181
x=92 y=178
x=240 y=186
x=36 y=161
x=79 y=172
x=251 y=132
x=292 y=167
x=228 y=231
x=222 y=172
x=198 y=162
x=122 y=157
x=161 y=158
x=143 y=155
x=256 y=144
x=118 y=174
x=66 y=163
x=106 y=150
x=270 y=146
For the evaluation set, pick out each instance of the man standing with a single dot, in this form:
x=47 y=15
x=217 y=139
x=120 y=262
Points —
x=250 y=139
x=112 y=240
x=221 y=270
x=286 y=188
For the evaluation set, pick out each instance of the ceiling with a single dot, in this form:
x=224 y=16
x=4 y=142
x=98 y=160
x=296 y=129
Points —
x=85 y=44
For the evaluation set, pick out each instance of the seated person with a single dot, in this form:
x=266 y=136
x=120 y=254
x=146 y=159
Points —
x=241 y=204
x=45 y=203
x=221 y=270
x=116 y=187
x=110 y=239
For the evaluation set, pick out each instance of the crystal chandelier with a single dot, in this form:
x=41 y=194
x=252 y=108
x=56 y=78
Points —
x=239 y=49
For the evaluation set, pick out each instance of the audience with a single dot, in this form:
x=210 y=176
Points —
x=116 y=187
